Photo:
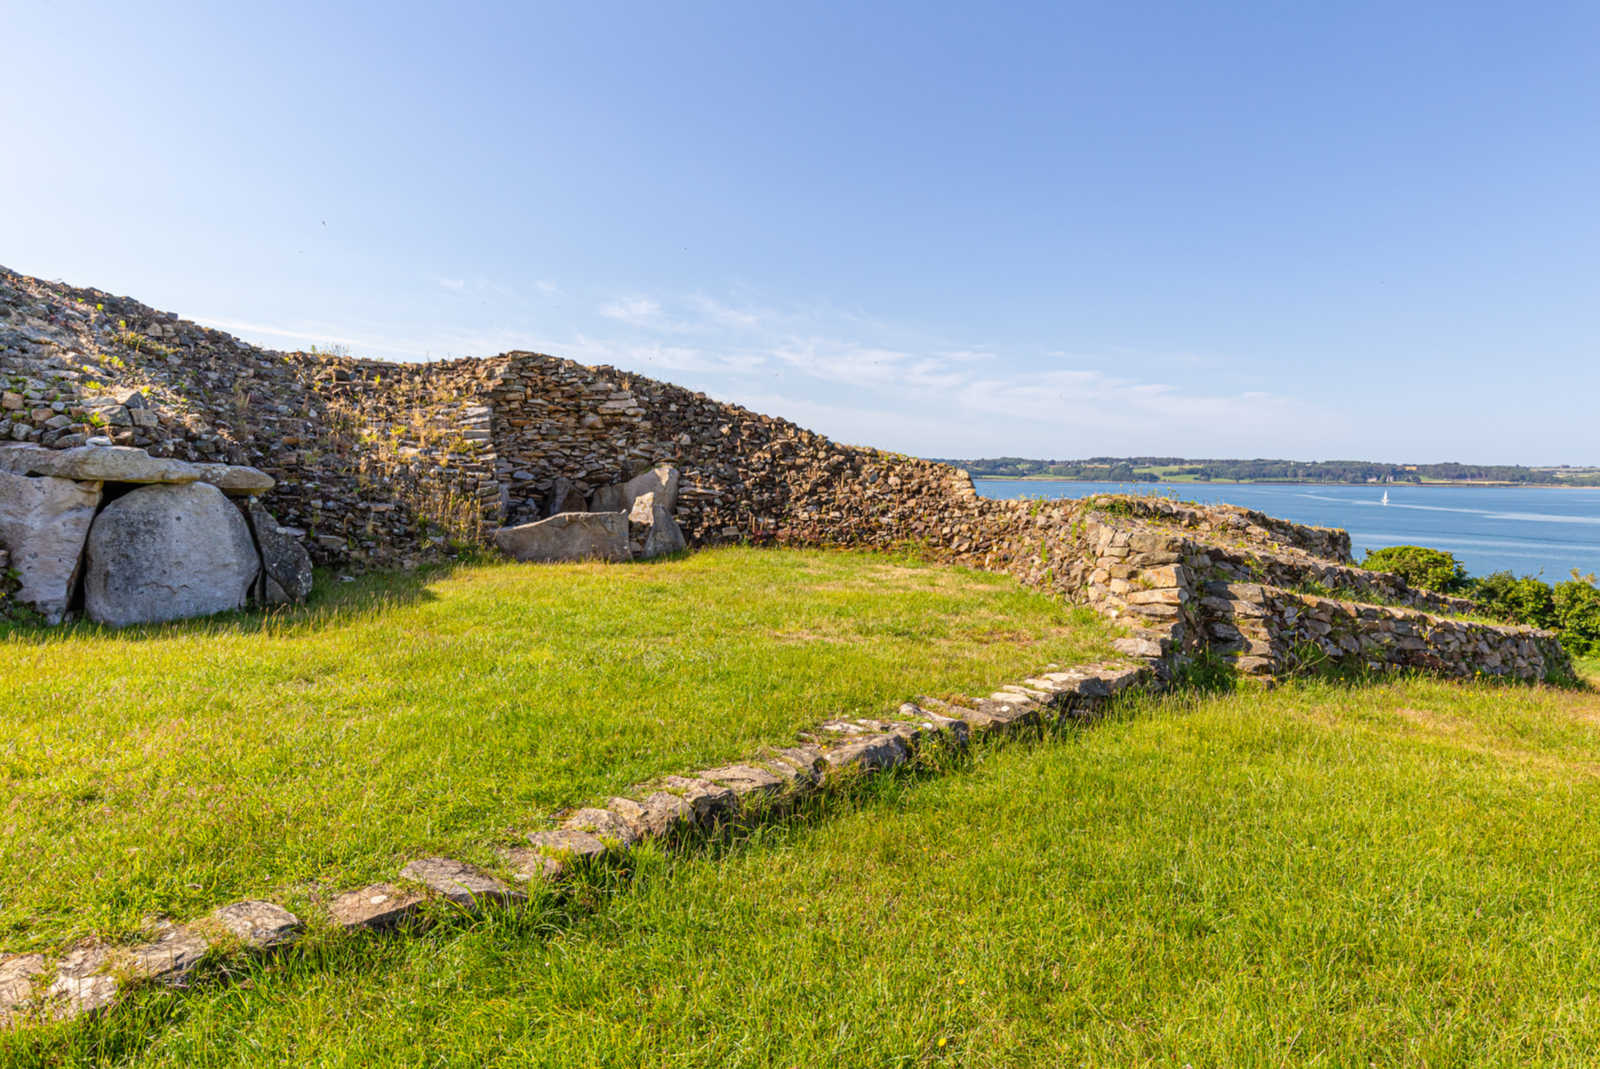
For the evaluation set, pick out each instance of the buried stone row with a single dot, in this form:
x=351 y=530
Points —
x=127 y=538
x=675 y=807
x=89 y=978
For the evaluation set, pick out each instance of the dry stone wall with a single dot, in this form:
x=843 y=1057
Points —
x=384 y=465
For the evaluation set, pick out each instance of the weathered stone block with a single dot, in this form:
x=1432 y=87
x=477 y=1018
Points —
x=285 y=564
x=257 y=923
x=665 y=535
x=662 y=481
x=567 y=842
x=382 y=905
x=236 y=480
x=44 y=523
x=95 y=463
x=568 y=537
x=460 y=883
x=167 y=553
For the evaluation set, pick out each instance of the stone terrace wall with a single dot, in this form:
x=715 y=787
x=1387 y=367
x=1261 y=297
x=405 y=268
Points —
x=382 y=465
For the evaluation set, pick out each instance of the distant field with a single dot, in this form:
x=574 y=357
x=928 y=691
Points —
x=1392 y=875
x=171 y=769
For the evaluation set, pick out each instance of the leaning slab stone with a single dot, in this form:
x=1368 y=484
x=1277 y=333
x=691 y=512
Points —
x=257 y=923
x=166 y=553
x=569 y=536
x=235 y=480
x=97 y=463
x=662 y=482
x=43 y=524
x=458 y=882
x=19 y=986
x=285 y=564
x=665 y=535
x=381 y=905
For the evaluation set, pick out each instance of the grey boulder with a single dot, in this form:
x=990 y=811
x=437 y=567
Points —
x=661 y=481
x=165 y=553
x=97 y=463
x=43 y=523
x=665 y=535
x=285 y=564
x=569 y=536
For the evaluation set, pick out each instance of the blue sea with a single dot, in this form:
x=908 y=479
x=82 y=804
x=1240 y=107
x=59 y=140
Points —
x=1489 y=529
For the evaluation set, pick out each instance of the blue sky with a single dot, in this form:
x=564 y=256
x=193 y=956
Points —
x=1308 y=230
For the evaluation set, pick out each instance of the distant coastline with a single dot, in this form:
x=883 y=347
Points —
x=1280 y=482
x=1182 y=471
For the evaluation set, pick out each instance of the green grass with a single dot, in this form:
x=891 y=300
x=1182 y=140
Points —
x=168 y=770
x=1395 y=875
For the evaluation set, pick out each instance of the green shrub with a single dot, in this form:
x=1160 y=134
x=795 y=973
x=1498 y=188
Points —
x=1528 y=600
x=1571 y=607
x=1577 y=605
x=1431 y=569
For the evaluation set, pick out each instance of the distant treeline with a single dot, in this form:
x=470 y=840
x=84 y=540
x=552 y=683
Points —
x=1122 y=469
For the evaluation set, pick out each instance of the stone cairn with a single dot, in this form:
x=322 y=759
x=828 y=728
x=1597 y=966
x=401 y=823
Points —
x=371 y=464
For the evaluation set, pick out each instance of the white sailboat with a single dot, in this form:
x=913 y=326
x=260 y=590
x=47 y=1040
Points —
x=1386 y=497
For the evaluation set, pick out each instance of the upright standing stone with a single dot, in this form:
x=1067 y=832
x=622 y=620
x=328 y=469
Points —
x=285 y=564
x=168 y=552
x=43 y=523
x=662 y=481
x=665 y=535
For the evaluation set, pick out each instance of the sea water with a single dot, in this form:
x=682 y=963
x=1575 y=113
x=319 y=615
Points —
x=1489 y=529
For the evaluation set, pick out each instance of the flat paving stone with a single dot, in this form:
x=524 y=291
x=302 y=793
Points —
x=258 y=923
x=603 y=825
x=744 y=779
x=458 y=882
x=382 y=905
x=567 y=841
x=19 y=986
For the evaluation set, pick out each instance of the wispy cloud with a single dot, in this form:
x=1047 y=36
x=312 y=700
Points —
x=856 y=373
x=453 y=283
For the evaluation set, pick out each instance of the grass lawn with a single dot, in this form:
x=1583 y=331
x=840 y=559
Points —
x=1393 y=875
x=171 y=769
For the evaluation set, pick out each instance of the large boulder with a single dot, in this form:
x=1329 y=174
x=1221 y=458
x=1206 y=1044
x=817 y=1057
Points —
x=96 y=463
x=662 y=481
x=168 y=552
x=43 y=523
x=569 y=536
x=285 y=564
